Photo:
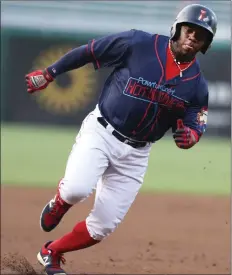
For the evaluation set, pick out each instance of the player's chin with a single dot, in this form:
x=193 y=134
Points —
x=189 y=54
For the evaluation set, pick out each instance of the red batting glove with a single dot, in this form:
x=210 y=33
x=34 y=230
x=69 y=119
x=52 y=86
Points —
x=38 y=80
x=185 y=137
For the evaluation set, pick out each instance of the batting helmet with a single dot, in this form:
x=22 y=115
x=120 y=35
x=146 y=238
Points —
x=198 y=15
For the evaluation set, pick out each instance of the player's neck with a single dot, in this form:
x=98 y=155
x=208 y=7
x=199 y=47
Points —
x=174 y=47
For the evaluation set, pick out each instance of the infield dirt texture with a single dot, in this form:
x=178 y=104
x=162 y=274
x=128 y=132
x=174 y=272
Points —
x=161 y=234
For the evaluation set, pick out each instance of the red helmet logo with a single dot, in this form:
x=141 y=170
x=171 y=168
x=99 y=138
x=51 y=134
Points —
x=202 y=15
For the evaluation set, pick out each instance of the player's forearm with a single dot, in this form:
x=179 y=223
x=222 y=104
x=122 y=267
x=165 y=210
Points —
x=74 y=59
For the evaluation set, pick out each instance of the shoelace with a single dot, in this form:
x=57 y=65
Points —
x=59 y=257
x=62 y=259
x=57 y=207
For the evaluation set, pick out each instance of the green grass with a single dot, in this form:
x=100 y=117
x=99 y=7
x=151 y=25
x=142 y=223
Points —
x=37 y=156
x=204 y=169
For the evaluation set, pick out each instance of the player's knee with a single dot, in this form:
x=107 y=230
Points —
x=99 y=232
x=75 y=194
x=99 y=229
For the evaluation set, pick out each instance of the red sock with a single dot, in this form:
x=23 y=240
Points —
x=79 y=238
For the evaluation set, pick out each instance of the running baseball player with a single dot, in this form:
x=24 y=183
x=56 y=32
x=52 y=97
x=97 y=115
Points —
x=156 y=85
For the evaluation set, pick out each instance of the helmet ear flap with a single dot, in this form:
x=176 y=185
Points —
x=175 y=31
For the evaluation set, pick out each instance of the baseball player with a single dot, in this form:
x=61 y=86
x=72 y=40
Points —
x=156 y=85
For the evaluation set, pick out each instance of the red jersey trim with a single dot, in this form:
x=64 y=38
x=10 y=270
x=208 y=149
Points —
x=190 y=78
x=92 y=51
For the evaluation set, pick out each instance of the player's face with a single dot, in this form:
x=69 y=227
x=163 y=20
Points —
x=191 y=40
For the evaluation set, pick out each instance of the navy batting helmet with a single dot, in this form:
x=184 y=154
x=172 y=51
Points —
x=198 y=15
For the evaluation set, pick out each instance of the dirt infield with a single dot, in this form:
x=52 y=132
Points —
x=161 y=234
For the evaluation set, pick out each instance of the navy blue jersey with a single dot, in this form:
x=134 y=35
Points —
x=136 y=98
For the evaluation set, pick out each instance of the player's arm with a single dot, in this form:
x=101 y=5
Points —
x=107 y=51
x=188 y=131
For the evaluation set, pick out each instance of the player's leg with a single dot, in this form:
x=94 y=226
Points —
x=121 y=180
x=86 y=164
x=115 y=194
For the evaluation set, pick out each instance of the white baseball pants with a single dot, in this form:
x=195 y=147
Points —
x=116 y=170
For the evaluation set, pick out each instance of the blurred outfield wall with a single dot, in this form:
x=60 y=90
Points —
x=29 y=45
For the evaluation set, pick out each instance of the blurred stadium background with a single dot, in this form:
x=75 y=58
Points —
x=38 y=131
x=185 y=232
